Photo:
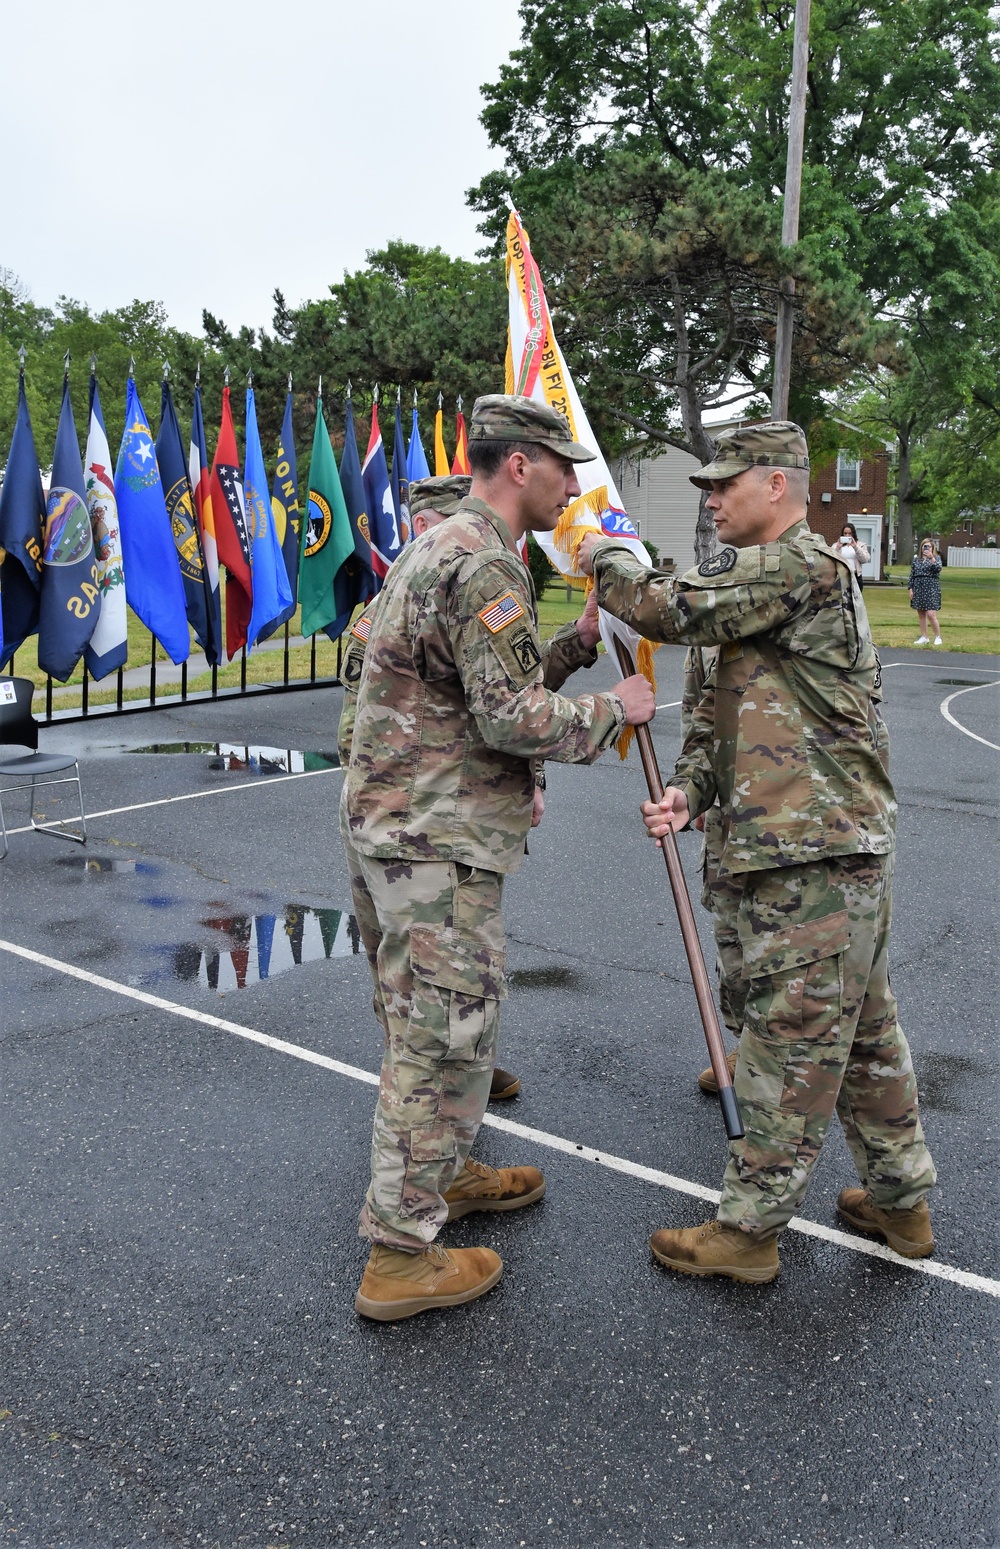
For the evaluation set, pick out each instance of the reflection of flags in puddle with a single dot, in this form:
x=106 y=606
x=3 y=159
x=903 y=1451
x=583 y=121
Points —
x=261 y=946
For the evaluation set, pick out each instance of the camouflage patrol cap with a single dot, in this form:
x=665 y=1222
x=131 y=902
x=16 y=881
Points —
x=444 y=495
x=773 y=444
x=507 y=417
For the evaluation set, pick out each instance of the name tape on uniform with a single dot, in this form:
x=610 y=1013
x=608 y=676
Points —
x=501 y=613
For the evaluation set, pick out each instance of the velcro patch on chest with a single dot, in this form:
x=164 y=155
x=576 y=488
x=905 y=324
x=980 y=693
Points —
x=502 y=613
x=362 y=629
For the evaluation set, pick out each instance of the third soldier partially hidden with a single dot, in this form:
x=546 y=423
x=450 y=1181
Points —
x=787 y=738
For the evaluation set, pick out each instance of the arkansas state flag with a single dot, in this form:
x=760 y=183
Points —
x=231 y=532
x=201 y=490
x=379 y=502
x=71 y=599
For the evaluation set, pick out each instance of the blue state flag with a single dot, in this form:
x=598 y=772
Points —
x=286 y=513
x=400 y=479
x=416 y=458
x=71 y=597
x=153 y=586
x=272 y=594
x=383 y=530
x=177 y=493
x=22 y=524
x=355 y=582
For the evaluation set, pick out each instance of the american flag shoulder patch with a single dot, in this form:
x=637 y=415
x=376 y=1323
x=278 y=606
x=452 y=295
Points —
x=362 y=629
x=501 y=613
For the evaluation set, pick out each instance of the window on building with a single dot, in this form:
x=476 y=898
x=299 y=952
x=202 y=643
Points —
x=638 y=472
x=848 y=471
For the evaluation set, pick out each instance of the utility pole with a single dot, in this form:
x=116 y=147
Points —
x=790 y=218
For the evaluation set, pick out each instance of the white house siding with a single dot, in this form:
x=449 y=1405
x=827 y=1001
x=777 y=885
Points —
x=661 y=502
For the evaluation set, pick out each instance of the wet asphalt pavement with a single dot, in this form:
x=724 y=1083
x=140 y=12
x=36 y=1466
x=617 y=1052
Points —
x=180 y=1362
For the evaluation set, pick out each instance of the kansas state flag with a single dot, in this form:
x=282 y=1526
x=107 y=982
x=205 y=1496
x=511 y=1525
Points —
x=153 y=584
x=22 y=515
x=183 y=518
x=272 y=594
x=416 y=458
x=71 y=598
x=383 y=529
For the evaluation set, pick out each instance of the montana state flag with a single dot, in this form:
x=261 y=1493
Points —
x=286 y=513
x=231 y=535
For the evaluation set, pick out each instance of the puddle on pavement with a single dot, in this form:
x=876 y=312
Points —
x=95 y=866
x=246 y=759
x=257 y=947
x=544 y=979
x=943 y=1079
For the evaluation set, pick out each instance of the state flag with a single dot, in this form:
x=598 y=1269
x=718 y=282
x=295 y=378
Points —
x=417 y=466
x=272 y=594
x=70 y=601
x=355 y=585
x=107 y=648
x=201 y=489
x=286 y=512
x=441 y=467
x=383 y=531
x=400 y=479
x=177 y=492
x=22 y=528
x=153 y=586
x=231 y=535
x=327 y=543
x=460 y=464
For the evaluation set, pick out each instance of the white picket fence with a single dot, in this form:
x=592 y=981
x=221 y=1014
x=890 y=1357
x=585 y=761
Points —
x=983 y=559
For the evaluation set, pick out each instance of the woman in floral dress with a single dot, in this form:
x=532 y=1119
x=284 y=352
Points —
x=925 y=591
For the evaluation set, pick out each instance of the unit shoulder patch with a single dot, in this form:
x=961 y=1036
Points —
x=526 y=650
x=504 y=611
x=718 y=564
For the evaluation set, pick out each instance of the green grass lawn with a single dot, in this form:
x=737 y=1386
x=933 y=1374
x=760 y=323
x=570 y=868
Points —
x=970 y=621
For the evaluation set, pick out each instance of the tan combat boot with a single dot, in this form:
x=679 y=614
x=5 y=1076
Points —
x=479 y=1187
x=908 y=1232
x=398 y=1285
x=714 y=1249
x=707 y=1080
x=503 y=1085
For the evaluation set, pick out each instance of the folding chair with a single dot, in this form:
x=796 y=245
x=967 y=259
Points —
x=18 y=725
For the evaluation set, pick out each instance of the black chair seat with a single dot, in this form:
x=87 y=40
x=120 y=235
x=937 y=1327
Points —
x=37 y=764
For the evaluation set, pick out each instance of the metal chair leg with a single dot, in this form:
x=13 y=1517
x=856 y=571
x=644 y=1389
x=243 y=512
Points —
x=53 y=829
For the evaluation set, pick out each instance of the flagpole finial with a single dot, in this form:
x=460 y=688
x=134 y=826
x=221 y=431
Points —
x=289 y=381
x=22 y=356
x=510 y=204
x=225 y=376
x=166 y=370
x=459 y=403
x=440 y=400
x=93 y=364
x=250 y=378
x=414 y=397
x=375 y=396
x=197 y=374
x=399 y=394
x=66 y=366
x=348 y=389
x=319 y=389
x=131 y=368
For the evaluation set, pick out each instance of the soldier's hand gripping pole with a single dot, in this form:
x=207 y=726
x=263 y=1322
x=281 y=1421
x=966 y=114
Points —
x=689 y=930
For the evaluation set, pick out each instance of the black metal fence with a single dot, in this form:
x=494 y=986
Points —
x=172 y=697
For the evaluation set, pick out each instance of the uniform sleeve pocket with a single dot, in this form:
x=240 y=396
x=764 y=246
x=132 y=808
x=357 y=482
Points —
x=792 y=946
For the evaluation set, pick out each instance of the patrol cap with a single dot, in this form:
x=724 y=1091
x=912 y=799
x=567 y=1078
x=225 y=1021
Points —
x=508 y=417
x=772 y=444
x=442 y=494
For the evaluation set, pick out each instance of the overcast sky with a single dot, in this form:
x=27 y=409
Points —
x=203 y=152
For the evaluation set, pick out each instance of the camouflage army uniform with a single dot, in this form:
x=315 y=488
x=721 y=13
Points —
x=720 y=895
x=787 y=739
x=456 y=702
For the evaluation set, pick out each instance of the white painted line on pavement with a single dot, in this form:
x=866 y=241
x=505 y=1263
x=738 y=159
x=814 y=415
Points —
x=943 y=707
x=939 y=666
x=620 y=1164
x=221 y=790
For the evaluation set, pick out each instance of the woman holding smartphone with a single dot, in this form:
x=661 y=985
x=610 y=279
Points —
x=925 y=591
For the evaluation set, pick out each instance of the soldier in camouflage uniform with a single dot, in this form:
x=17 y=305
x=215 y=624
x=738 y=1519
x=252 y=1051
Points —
x=431 y=501
x=720 y=892
x=786 y=736
x=456 y=704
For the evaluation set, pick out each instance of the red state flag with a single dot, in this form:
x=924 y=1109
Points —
x=229 y=515
x=461 y=461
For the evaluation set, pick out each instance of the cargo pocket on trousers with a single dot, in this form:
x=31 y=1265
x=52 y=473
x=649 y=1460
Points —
x=772 y=1140
x=465 y=981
